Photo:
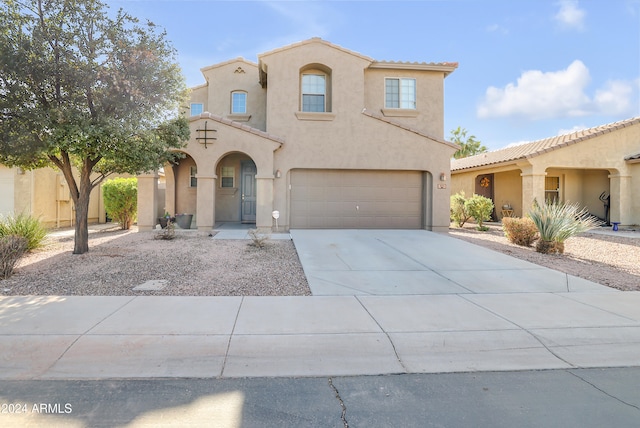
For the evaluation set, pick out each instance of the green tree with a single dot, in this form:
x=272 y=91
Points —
x=469 y=146
x=121 y=200
x=80 y=90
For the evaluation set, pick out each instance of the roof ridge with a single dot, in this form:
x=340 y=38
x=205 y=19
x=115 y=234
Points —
x=229 y=122
x=537 y=147
x=408 y=128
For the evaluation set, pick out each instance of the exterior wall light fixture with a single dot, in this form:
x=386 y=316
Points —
x=443 y=176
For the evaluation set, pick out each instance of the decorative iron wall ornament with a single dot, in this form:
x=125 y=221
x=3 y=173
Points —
x=205 y=138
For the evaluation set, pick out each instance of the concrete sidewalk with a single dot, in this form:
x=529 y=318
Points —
x=229 y=337
x=384 y=302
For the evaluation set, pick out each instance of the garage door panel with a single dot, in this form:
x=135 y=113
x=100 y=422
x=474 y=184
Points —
x=356 y=199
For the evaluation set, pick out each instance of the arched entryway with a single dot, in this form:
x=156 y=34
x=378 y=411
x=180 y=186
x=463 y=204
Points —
x=181 y=188
x=236 y=190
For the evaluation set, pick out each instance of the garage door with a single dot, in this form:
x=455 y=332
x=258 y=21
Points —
x=6 y=190
x=356 y=199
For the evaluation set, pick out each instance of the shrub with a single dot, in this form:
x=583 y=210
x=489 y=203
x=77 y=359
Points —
x=520 y=231
x=121 y=200
x=458 y=211
x=259 y=239
x=168 y=233
x=480 y=208
x=12 y=247
x=557 y=222
x=30 y=228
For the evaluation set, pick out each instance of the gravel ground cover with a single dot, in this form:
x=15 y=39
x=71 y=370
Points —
x=608 y=259
x=193 y=264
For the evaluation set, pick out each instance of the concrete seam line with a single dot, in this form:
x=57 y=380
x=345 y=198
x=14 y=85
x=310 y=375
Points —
x=86 y=332
x=393 y=345
x=523 y=329
x=233 y=329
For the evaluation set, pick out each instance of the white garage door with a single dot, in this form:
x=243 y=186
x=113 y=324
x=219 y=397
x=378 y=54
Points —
x=356 y=199
x=6 y=191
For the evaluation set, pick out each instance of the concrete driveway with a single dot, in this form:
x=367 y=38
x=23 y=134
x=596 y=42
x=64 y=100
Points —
x=400 y=262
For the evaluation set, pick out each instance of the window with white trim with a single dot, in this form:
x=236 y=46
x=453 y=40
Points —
x=196 y=109
x=314 y=92
x=227 y=176
x=400 y=93
x=193 y=180
x=238 y=102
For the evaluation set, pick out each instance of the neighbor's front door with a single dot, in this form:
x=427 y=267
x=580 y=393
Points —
x=248 y=207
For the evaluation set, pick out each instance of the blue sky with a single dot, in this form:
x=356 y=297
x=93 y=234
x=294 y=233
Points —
x=528 y=69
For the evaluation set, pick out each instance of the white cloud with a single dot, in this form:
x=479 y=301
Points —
x=557 y=94
x=570 y=16
x=615 y=97
x=576 y=128
x=540 y=95
x=495 y=28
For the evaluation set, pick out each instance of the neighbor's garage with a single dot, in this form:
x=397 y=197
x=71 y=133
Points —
x=356 y=199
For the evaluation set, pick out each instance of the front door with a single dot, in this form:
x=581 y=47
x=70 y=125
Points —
x=248 y=186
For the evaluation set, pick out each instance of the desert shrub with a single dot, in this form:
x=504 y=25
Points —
x=30 y=228
x=168 y=233
x=480 y=208
x=121 y=200
x=258 y=239
x=557 y=222
x=520 y=231
x=12 y=247
x=459 y=213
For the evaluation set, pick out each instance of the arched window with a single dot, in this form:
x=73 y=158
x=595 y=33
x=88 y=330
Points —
x=315 y=89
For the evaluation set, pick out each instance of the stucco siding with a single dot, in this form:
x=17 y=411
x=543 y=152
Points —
x=6 y=190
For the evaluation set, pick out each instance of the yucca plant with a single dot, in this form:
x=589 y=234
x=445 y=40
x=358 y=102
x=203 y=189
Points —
x=30 y=228
x=557 y=221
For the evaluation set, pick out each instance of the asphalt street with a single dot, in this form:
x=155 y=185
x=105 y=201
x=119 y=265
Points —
x=548 y=398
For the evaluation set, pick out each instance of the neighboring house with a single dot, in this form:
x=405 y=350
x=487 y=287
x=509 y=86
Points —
x=43 y=193
x=327 y=137
x=594 y=167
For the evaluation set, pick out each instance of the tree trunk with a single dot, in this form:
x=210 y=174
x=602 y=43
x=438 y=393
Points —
x=81 y=243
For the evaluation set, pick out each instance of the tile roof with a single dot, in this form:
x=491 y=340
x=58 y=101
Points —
x=535 y=148
x=246 y=128
x=410 y=129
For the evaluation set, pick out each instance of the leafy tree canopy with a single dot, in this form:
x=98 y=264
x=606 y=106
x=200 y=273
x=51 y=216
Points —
x=79 y=88
x=469 y=146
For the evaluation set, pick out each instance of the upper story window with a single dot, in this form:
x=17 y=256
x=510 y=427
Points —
x=238 y=102
x=400 y=93
x=196 y=109
x=314 y=92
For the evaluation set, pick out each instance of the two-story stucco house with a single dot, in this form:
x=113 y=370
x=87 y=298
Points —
x=327 y=137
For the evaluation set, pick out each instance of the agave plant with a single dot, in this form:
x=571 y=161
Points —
x=557 y=222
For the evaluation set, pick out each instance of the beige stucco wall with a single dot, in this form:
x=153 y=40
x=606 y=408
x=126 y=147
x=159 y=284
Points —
x=235 y=75
x=43 y=193
x=429 y=114
x=342 y=138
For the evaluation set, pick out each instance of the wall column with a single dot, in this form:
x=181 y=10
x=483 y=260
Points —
x=264 y=203
x=206 y=201
x=147 y=201
x=532 y=187
x=620 y=202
